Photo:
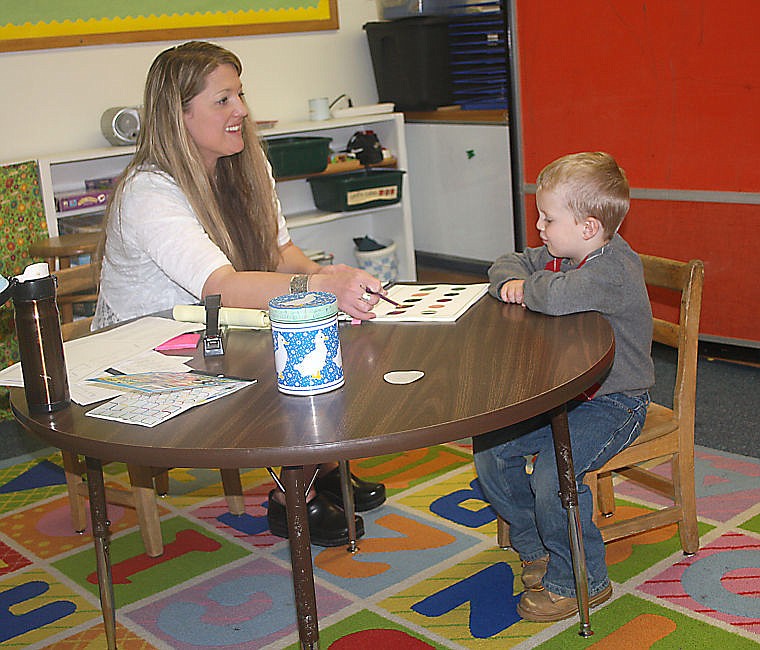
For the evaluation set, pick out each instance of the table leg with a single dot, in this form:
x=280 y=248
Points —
x=347 y=492
x=300 y=556
x=100 y=533
x=568 y=492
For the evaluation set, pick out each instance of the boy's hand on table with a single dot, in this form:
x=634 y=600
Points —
x=512 y=291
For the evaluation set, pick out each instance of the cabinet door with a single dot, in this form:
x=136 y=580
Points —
x=461 y=192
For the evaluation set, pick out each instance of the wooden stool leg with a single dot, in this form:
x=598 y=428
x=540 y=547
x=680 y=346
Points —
x=144 y=494
x=73 y=469
x=161 y=481
x=233 y=490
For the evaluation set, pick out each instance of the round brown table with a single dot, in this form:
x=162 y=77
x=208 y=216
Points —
x=497 y=365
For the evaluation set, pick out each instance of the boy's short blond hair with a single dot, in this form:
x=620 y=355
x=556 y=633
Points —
x=592 y=184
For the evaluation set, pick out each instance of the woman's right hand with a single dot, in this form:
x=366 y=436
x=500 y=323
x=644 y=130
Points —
x=350 y=286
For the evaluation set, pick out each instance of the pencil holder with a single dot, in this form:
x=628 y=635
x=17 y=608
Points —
x=306 y=345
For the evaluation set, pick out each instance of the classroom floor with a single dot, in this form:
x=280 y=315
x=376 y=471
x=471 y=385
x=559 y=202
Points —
x=429 y=574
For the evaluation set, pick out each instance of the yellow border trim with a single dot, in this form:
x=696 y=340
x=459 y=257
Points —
x=173 y=21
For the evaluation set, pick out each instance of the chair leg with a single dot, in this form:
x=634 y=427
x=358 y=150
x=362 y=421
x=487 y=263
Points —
x=233 y=490
x=144 y=495
x=502 y=533
x=161 y=481
x=683 y=484
x=605 y=494
x=73 y=469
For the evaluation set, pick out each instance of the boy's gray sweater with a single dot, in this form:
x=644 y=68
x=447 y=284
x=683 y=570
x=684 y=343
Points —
x=611 y=282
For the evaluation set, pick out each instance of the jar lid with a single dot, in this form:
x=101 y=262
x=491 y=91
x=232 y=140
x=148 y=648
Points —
x=303 y=307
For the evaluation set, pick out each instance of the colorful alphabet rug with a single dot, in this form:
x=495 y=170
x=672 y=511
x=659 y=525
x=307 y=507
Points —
x=428 y=574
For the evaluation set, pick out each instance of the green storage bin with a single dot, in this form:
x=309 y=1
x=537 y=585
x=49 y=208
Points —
x=298 y=156
x=369 y=188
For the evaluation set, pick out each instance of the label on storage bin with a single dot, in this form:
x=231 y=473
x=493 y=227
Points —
x=359 y=197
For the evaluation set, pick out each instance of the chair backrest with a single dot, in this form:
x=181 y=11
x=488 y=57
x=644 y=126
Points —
x=80 y=279
x=687 y=279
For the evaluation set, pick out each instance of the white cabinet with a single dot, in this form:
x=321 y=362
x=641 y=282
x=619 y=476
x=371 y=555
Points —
x=314 y=229
x=462 y=193
x=67 y=173
x=310 y=228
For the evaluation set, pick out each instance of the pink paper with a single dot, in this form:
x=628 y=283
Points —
x=181 y=342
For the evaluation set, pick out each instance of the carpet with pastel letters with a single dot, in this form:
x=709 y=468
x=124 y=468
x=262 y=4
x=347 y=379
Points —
x=428 y=574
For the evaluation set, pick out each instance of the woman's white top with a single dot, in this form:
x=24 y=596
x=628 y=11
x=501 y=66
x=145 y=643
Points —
x=157 y=253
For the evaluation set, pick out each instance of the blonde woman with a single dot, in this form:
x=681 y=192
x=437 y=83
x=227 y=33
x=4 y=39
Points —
x=195 y=214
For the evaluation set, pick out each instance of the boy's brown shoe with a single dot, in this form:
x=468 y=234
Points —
x=533 y=572
x=542 y=606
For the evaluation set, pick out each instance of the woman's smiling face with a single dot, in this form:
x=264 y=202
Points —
x=214 y=117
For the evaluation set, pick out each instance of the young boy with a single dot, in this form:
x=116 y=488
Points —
x=584 y=265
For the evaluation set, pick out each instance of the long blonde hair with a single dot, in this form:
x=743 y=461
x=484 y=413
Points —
x=237 y=207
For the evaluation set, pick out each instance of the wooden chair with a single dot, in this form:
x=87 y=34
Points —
x=76 y=284
x=82 y=281
x=59 y=252
x=668 y=433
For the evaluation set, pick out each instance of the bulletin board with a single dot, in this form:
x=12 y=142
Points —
x=66 y=23
x=672 y=90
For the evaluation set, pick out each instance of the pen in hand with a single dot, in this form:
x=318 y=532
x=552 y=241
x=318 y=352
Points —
x=382 y=297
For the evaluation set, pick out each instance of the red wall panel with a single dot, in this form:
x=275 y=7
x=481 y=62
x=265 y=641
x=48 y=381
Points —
x=672 y=90
x=719 y=234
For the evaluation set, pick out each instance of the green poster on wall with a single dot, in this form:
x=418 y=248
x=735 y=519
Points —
x=62 y=23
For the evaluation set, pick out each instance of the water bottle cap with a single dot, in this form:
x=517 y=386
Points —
x=34 y=272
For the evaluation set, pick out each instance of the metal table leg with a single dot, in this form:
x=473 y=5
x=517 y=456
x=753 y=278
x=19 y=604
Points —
x=568 y=492
x=100 y=533
x=300 y=556
x=347 y=491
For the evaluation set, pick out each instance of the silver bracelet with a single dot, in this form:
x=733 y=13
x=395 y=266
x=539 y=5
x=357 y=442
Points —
x=299 y=283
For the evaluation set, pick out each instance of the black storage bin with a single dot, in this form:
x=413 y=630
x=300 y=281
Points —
x=368 y=188
x=298 y=156
x=410 y=58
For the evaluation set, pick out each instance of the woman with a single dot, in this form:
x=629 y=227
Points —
x=195 y=214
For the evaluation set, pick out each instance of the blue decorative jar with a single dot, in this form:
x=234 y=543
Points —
x=306 y=344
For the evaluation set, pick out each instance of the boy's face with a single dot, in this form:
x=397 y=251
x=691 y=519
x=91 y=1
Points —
x=557 y=227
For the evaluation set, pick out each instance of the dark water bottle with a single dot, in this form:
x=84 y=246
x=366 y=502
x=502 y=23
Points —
x=40 y=344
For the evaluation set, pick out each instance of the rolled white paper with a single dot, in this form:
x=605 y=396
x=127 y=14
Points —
x=230 y=316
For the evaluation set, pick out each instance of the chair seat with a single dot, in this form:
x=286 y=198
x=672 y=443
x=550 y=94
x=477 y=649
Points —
x=660 y=421
x=658 y=438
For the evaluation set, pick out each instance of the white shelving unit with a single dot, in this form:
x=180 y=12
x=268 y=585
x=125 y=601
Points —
x=67 y=173
x=313 y=229
x=310 y=228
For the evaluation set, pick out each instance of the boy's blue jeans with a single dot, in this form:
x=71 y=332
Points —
x=599 y=429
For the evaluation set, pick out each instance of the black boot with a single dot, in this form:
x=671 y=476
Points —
x=367 y=496
x=327 y=522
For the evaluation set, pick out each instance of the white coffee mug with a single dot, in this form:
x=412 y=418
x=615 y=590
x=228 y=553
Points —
x=319 y=109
